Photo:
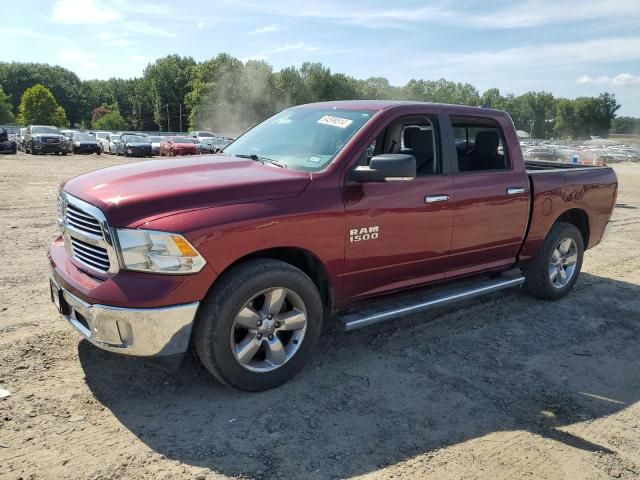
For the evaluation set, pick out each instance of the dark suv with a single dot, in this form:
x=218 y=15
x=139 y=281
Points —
x=44 y=139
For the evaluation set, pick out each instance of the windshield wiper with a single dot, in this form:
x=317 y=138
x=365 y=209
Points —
x=260 y=159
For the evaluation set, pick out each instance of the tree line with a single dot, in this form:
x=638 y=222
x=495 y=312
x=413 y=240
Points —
x=225 y=95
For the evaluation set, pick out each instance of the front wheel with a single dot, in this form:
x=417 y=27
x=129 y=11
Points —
x=555 y=269
x=259 y=325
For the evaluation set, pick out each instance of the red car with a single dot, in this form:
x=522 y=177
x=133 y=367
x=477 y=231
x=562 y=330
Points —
x=173 y=146
x=306 y=218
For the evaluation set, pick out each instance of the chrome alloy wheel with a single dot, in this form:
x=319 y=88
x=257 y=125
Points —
x=269 y=329
x=563 y=262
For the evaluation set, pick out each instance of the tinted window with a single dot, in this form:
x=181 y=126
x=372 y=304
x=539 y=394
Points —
x=414 y=136
x=479 y=144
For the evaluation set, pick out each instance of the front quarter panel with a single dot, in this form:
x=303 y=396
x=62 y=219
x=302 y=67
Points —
x=313 y=221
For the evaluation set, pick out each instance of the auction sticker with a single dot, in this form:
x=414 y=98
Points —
x=335 y=121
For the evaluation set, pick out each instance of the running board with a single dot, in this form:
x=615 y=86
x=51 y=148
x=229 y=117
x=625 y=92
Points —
x=353 y=321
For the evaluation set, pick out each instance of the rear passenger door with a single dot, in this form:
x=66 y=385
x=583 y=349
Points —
x=491 y=197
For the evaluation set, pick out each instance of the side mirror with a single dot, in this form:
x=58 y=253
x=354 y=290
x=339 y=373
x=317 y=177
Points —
x=387 y=167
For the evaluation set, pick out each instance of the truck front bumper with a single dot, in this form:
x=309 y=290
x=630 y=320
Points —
x=144 y=332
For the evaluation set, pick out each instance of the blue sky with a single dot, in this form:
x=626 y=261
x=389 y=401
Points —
x=569 y=48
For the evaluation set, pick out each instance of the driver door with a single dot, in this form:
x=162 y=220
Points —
x=399 y=233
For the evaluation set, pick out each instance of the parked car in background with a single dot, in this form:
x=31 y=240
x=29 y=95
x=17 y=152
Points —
x=104 y=142
x=100 y=136
x=85 y=143
x=8 y=141
x=200 y=134
x=208 y=146
x=155 y=144
x=213 y=144
x=44 y=139
x=134 y=145
x=173 y=146
x=20 y=138
x=68 y=137
x=113 y=143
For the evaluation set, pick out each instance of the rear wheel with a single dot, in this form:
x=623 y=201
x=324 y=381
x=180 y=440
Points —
x=555 y=269
x=259 y=325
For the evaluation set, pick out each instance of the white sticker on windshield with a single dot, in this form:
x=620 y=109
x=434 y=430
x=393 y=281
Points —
x=315 y=159
x=335 y=121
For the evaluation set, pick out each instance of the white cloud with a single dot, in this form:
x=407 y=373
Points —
x=529 y=61
x=83 y=12
x=300 y=46
x=620 y=80
x=266 y=29
x=522 y=14
x=80 y=60
x=112 y=40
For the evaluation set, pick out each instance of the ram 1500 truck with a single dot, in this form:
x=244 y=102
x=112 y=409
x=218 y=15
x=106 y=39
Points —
x=307 y=217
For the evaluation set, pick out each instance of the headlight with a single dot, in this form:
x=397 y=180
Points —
x=158 y=252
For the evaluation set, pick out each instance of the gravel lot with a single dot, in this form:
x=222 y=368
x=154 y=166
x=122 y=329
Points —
x=506 y=387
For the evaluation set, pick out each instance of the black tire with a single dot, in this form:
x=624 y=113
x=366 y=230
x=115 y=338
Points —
x=215 y=319
x=537 y=273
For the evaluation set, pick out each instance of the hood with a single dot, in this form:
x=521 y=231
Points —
x=130 y=193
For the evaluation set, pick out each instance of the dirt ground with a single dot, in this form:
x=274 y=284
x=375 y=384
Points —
x=506 y=387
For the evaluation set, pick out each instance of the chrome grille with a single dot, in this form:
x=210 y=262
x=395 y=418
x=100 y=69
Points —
x=92 y=255
x=86 y=235
x=79 y=220
x=51 y=140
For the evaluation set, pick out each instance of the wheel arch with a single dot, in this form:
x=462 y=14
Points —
x=580 y=219
x=300 y=258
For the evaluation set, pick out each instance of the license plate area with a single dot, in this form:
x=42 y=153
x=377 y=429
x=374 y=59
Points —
x=58 y=299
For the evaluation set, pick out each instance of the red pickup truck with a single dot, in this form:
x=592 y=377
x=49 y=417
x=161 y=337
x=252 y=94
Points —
x=305 y=218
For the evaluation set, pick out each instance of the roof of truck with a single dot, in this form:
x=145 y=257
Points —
x=384 y=104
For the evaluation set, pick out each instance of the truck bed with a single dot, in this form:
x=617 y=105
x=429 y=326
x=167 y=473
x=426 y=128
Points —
x=543 y=165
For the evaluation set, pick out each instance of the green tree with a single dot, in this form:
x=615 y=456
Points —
x=625 y=125
x=6 y=114
x=169 y=79
x=39 y=106
x=65 y=86
x=111 y=121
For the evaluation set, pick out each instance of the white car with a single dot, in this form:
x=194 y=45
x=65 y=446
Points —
x=112 y=143
x=101 y=137
x=155 y=144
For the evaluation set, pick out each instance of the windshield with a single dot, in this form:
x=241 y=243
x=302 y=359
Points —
x=155 y=139
x=101 y=135
x=301 y=138
x=135 y=138
x=203 y=134
x=45 y=130
x=84 y=137
x=114 y=138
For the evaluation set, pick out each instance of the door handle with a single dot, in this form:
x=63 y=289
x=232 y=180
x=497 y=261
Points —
x=515 y=190
x=436 y=198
